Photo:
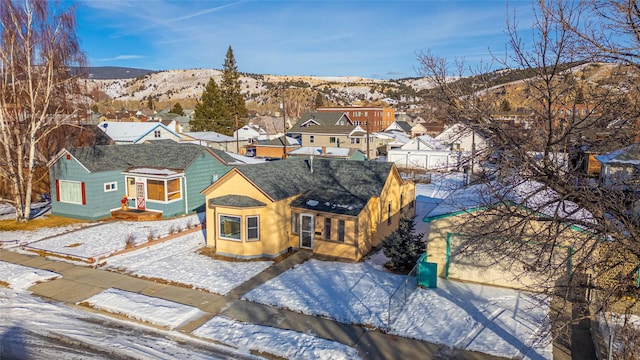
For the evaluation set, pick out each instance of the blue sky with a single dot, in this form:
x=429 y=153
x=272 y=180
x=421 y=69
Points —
x=375 y=39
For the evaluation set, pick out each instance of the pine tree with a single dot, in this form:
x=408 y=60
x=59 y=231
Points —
x=177 y=109
x=404 y=246
x=230 y=88
x=210 y=113
x=319 y=100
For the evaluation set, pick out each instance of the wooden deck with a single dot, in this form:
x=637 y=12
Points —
x=136 y=215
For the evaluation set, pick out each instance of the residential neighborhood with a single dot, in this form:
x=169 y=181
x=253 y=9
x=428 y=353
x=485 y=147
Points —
x=445 y=188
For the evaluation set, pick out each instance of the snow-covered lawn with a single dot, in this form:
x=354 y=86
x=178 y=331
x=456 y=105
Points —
x=497 y=321
x=177 y=260
x=145 y=308
x=20 y=277
x=625 y=330
x=491 y=320
x=287 y=344
x=107 y=238
x=243 y=336
x=350 y=293
x=32 y=328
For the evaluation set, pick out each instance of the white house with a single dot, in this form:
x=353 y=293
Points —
x=250 y=133
x=620 y=169
x=424 y=152
x=214 y=140
x=461 y=138
x=137 y=132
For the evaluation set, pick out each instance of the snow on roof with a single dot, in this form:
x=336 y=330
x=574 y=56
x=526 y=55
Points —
x=210 y=136
x=530 y=194
x=433 y=143
x=315 y=150
x=628 y=155
x=129 y=131
x=151 y=171
x=245 y=159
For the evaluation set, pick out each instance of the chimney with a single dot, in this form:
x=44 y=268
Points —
x=324 y=150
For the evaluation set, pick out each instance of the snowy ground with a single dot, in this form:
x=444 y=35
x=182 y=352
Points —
x=34 y=329
x=113 y=237
x=493 y=320
x=177 y=260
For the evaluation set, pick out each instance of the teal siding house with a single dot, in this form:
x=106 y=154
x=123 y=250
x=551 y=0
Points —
x=90 y=182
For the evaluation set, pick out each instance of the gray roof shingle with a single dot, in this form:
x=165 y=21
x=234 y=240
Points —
x=240 y=201
x=121 y=157
x=331 y=179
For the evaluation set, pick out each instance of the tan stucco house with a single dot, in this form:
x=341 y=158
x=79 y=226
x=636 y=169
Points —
x=336 y=208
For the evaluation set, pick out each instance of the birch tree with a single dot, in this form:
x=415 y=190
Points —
x=567 y=40
x=37 y=87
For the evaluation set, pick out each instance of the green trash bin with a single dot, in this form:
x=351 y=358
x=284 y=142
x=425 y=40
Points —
x=427 y=273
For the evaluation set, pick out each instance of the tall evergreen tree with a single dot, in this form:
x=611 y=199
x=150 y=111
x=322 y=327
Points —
x=404 y=246
x=319 y=100
x=230 y=88
x=210 y=113
x=177 y=109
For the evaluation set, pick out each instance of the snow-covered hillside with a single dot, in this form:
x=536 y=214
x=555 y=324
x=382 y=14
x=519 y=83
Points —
x=189 y=84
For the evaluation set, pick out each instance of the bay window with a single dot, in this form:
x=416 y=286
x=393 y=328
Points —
x=229 y=226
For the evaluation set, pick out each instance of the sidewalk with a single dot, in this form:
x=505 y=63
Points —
x=80 y=282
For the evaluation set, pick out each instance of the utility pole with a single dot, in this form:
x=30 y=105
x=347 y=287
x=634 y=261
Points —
x=237 y=139
x=366 y=122
x=284 y=131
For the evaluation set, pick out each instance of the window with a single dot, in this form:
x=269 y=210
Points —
x=164 y=190
x=131 y=187
x=253 y=228
x=311 y=139
x=401 y=201
x=155 y=190
x=173 y=189
x=327 y=228
x=341 y=230
x=157 y=134
x=332 y=139
x=112 y=186
x=389 y=213
x=355 y=141
x=229 y=227
x=295 y=223
x=72 y=192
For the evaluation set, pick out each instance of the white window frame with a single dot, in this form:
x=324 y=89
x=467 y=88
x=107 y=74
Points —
x=61 y=195
x=257 y=227
x=295 y=223
x=166 y=190
x=110 y=186
x=220 y=227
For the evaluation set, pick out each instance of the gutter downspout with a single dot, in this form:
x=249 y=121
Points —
x=186 y=198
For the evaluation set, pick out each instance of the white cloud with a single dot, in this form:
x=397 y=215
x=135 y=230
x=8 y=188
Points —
x=122 y=57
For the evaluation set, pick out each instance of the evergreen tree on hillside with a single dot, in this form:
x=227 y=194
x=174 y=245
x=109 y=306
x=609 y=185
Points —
x=210 y=113
x=230 y=89
x=404 y=246
x=177 y=109
x=150 y=103
x=319 y=102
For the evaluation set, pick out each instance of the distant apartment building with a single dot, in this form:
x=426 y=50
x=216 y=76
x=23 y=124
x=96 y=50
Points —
x=376 y=117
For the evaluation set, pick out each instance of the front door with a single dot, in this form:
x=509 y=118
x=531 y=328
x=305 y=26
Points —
x=306 y=231
x=140 y=199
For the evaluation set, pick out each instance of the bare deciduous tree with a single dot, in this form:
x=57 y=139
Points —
x=559 y=208
x=39 y=46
